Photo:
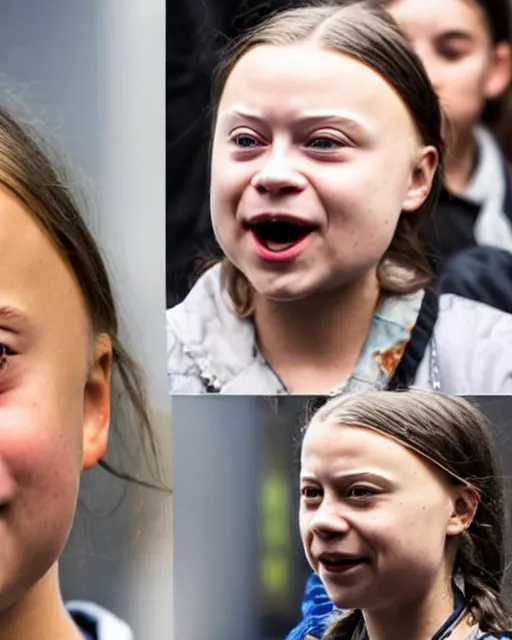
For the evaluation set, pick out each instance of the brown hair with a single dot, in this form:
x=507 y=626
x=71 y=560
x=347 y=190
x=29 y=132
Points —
x=28 y=171
x=363 y=30
x=455 y=436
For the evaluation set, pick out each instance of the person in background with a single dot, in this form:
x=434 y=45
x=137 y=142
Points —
x=465 y=48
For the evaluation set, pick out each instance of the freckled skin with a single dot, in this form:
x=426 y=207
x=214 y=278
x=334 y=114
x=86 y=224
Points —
x=357 y=191
x=402 y=531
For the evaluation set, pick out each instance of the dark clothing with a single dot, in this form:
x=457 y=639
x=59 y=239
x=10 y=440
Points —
x=449 y=230
x=483 y=274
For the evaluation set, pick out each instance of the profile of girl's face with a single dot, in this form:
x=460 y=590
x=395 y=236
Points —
x=375 y=518
x=314 y=158
x=53 y=400
x=453 y=40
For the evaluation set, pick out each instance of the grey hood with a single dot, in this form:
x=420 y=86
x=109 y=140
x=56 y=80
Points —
x=210 y=349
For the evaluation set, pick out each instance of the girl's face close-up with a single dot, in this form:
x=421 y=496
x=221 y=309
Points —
x=54 y=400
x=453 y=40
x=375 y=518
x=314 y=158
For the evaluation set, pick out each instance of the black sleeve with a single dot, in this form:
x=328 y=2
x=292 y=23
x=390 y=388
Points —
x=483 y=274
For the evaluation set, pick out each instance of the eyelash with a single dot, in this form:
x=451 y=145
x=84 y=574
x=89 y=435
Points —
x=336 y=144
x=307 y=489
x=5 y=354
x=369 y=492
x=241 y=136
x=451 y=55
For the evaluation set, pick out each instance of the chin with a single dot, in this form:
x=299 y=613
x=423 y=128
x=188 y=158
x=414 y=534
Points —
x=282 y=295
x=282 y=288
x=348 y=598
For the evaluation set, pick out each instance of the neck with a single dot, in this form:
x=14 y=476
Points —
x=460 y=162
x=39 y=614
x=313 y=344
x=415 y=620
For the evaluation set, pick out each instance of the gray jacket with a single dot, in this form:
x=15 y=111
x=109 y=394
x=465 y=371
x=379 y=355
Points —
x=210 y=349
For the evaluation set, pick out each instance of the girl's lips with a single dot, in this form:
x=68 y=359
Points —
x=334 y=563
x=341 y=568
x=290 y=253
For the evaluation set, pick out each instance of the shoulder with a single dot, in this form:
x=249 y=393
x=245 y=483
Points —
x=317 y=611
x=97 y=623
x=207 y=343
x=474 y=345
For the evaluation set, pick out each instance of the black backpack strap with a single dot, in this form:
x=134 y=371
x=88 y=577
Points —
x=421 y=334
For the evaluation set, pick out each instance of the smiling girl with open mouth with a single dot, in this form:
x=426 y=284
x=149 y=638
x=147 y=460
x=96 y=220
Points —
x=327 y=154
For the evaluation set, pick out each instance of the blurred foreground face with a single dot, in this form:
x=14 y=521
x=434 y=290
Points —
x=453 y=40
x=45 y=331
x=308 y=178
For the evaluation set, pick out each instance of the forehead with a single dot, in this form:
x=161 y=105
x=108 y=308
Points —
x=439 y=15
x=329 y=447
x=33 y=276
x=284 y=81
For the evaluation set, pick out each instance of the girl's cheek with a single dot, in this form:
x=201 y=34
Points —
x=33 y=442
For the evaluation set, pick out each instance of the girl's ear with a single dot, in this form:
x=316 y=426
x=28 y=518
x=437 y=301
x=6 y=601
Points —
x=465 y=505
x=97 y=403
x=498 y=78
x=422 y=176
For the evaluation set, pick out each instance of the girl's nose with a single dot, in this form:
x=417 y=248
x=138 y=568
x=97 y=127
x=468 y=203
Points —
x=329 y=520
x=278 y=175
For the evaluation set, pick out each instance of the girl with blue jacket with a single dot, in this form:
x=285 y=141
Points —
x=402 y=520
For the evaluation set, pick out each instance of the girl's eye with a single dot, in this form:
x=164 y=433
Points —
x=5 y=352
x=360 y=492
x=325 y=144
x=245 y=141
x=451 y=54
x=310 y=493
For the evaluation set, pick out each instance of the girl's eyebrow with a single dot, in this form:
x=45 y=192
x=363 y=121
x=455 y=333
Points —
x=13 y=316
x=455 y=34
x=351 y=476
x=307 y=118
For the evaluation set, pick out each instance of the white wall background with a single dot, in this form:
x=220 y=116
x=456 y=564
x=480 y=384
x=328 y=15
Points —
x=94 y=72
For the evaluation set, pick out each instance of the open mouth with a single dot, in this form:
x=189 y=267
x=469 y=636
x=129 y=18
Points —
x=279 y=235
x=340 y=564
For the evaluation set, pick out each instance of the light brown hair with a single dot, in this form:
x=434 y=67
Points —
x=453 y=435
x=363 y=30
x=29 y=171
